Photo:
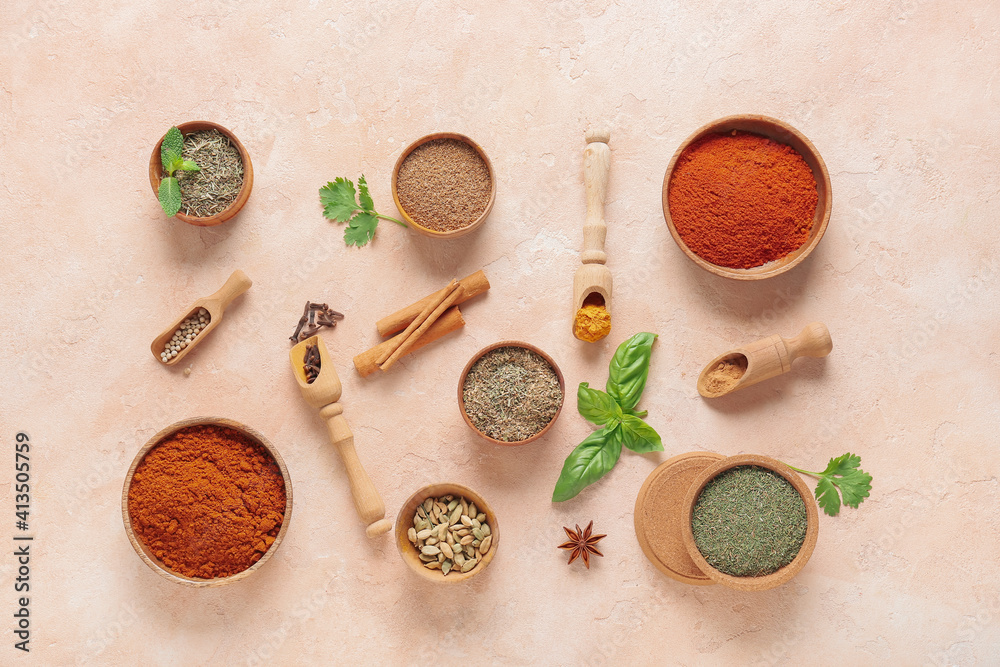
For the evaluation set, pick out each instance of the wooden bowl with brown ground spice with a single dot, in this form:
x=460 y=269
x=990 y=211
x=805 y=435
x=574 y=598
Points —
x=206 y=501
x=519 y=378
x=217 y=153
x=461 y=530
x=760 y=522
x=747 y=197
x=443 y=185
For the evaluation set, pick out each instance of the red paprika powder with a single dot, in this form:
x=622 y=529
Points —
x=208 y=501
x=741 y=200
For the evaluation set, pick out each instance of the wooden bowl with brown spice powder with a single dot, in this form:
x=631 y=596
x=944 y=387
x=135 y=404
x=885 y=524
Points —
x=511 y=393
x=443 y=185
x=206 y=501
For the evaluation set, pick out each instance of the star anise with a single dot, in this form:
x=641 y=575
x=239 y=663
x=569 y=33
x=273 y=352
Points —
x=582 y=543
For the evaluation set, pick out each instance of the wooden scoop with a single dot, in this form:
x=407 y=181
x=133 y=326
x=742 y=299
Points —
x=762 y=360
x=324 y=393
x=216 y=305
x=592 y=283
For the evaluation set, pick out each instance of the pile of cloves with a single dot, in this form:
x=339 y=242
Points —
x=311 y=363
x=314 y=316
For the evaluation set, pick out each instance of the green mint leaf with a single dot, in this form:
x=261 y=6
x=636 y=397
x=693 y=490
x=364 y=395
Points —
x=172 y=145
x=827 y=496
x=590 y=461
x=338 y=199
x=597 y=406
x=629 y=370
x=190 y=165
x=360 y=229
x=640 y=436
x=175 y=166
x=170 y=196
x=366 y=199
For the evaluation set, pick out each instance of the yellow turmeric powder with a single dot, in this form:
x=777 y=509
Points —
x=592 y=323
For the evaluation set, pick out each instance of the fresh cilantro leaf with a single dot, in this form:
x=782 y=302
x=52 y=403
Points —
x=639 y=436
x=360 y=229
x=366 y=199
x=842 y=474
x=338 y=200
x=597 y=406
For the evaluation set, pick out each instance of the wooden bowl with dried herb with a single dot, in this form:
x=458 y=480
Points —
x=447 y=533
x=206 y=502
x=217 y=177
x=749 y=522
x=511 y=393
x=443 y=185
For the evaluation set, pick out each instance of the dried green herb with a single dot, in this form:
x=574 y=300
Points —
x=511 y=393
x=217 y=185
x=172 y=159
x=749 y=522
x=843 y=473
x=341 y=203
x=615 y=411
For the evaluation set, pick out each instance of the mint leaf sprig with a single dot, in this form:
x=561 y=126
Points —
x=172 y=159
x=341 y=203
x=844 y=474
x=614 y=411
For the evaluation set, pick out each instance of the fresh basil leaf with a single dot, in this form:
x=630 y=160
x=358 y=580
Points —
x=640 y=436
x=590 y=461
x=629 y=370
x=597 y=406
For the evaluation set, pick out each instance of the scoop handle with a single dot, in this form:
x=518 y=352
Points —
x=596 y=166
x=813 y=341
x=237 y=284
x=367 y=501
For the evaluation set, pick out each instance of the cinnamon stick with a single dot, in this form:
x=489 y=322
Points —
x=450 y=321
x=474 y=285
x=412 y=338
x=428 y=309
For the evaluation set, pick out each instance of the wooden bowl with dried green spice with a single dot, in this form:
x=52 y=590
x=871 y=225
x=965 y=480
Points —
x=447 y=533
x=749 y=522
x=511 y=393
x=443 y=185
x=221 y=186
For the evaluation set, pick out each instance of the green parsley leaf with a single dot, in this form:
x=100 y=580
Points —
x=366 y=199
x=842 y=474
x=342 y=203
x=597 y=407
x=360 y=229
x=590 y=461
x=338 y=200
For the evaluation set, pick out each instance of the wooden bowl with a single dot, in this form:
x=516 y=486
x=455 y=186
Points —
x=404 y=521
x=454 y=233
x=156 y=174
x=782 y=133
x=489 y=348
x=751 y=583
x=147 y=556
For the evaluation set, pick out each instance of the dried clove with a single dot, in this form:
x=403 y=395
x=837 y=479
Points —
x=314 y=316
x=311 y=363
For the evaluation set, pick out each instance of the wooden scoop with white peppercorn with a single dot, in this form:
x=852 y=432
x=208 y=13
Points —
x=214 y=305
x=762 y=360
x=324 y=393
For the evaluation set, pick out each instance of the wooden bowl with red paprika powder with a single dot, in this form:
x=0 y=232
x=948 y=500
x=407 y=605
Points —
x=206 y=501
x=747 y=197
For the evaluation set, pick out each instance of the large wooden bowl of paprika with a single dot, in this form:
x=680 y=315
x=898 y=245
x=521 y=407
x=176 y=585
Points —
x=781 y=133
x=144 y=551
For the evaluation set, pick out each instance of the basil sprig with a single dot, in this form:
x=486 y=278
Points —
x=614 y=411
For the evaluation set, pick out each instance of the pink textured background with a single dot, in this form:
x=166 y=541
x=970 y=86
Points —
x=899 y=97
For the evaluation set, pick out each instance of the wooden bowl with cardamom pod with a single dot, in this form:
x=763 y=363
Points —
x=458 y=530
x=750 y=583
x=156 y=174
x=186 y=523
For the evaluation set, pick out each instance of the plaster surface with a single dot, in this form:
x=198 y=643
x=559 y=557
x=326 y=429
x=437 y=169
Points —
x=900 y=99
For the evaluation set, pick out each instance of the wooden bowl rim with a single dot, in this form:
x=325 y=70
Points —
x=489 y=348
x=156 y=174
x=404 y=521
x=454 y=233
x=781 y=132
x=143 y=551
x=781 y=575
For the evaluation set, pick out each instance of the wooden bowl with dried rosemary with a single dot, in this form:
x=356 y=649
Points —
x=447 y=533
x=443 y=185
x=511 y=393
x=749 y=522
x=223 y=183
